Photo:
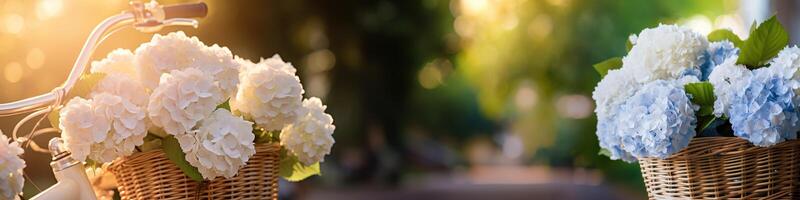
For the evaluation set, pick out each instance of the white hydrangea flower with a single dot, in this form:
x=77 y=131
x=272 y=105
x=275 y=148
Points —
x=664 y=52
x=11 y=165
x=117 y=61
x=176 y=51
x=270 y=93
x=632 y=39
x=613 y=90
x=128 y=127
x=82 y=125
x=221 y=145
x=727 y=78
x=787 y=64
x=183 y=98
x=311 y=137
x=123 y=86
x=102 y=128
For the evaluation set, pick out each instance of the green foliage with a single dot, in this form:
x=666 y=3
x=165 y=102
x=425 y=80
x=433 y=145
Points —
x=175 y=154
x=264 y=136
x=609 y=64
x=628 y=45
x=725 y=34
x=702 y=94
x=151 y=142
x=604 y=152
x=765 y=42
x=225 y=105
x=293 y=170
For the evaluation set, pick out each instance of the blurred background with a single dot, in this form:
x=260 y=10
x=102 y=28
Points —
x=432 y=99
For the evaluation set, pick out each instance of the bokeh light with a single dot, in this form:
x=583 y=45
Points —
x=14 y=23
x=46 y=9
x=13 y=72
x=35 y=58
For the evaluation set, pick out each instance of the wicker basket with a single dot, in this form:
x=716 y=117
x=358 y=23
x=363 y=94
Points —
x=725 y=167
x=151 y=175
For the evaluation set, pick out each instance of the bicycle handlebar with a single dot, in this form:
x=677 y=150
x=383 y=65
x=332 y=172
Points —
x=189 y=10
x=172 y=15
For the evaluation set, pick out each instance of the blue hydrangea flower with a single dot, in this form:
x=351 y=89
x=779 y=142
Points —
x=716 y=53
x=657 y=121
x=765 y=111
x=610 y=139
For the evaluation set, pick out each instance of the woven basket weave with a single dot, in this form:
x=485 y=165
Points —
x=151 y=175
x=723 y=168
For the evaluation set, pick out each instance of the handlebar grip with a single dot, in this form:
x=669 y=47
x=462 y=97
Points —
x=189 y=10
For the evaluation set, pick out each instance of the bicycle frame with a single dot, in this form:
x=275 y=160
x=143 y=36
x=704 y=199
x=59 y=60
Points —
x=70 y=174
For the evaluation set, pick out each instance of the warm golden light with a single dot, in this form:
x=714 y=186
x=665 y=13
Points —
x=35 y=58
x=14 y=23
x=430 y=76
x=13 y=72
x=46 y=9
x=474 y=6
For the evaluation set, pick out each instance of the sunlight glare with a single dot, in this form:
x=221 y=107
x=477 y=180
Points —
x=46 y=9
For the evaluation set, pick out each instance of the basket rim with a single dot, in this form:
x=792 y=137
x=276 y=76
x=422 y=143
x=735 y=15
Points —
x=116 y=162
x=700 y=147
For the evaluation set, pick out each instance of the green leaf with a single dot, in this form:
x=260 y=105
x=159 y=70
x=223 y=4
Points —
x=174 y=152
x=293 y=170
x=85 y=84
x=765 y=42
x=702 y=93
x=725 y=34
x=609 y=64
x=151 y=142
x=628 y=45
x=604 y=152
x=225 y=105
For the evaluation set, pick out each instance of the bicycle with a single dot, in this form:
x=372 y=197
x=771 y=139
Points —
x=72 y=181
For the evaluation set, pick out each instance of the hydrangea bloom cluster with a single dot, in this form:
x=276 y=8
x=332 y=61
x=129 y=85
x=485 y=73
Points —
x=176 y=51
x=183 y=98
x=727 y=78
x=112 y=121
x=117 y=61
x=11 y=165
x=311 y=137
x=176 y=86
x=787 y=64
x=657 y=121
x=764 y=111
x=642 y=108
x=270 y=93
x=609 y=95
x=718 y=52
x=220 y=146
x=664 y=52
x=652 y=105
